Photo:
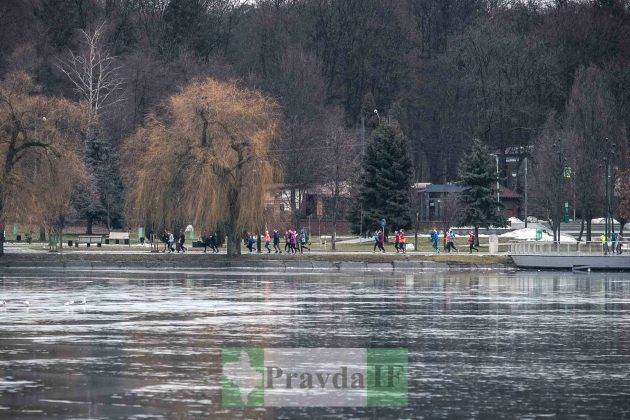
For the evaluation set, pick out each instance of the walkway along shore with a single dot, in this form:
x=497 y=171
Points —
x=317 y=261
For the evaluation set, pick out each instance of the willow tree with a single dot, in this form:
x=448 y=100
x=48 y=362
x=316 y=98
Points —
x=40 y=153
x=203 y=157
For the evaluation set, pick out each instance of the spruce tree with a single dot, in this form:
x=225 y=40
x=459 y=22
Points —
x=478 y=176
x=386 y=180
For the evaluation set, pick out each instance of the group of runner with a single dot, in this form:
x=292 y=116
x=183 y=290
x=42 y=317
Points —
x=400 y=241
x=448 y=237
x=294 y=241
x=171 y=244
x=298 y=241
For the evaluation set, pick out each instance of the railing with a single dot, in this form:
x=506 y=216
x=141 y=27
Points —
x=564 y=248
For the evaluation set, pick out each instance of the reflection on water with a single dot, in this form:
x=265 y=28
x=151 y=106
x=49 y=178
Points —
x=148 y=342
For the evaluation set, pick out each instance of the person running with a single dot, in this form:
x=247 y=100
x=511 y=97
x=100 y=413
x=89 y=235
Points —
x=164 y=239
x=249 y=242
x=181 y=242
x=170 y=242
x=402 y=241
x=435 y=238
x=276 y=241
x=613 y=242
x=304 y=241
x=287 y=241
x=209 y=241
x=471 y=242
x=619 y=243
x=214 y=243
x=294 y=241
x=267 y=240
x=602 y=239
x=450 y=241
x=375 y=237
x=381 y=240
x=396 y=241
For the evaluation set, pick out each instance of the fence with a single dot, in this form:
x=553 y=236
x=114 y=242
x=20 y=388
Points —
x=580 y=248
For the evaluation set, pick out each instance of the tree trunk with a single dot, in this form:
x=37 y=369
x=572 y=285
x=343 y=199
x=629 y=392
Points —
x=109 y=219
x=476 y=235
x=581 y=231
x=233 y=243
x=622 y=224
x=88 y=228
x=333 y=240
x=60 y=239
x=1 y=222
x=588 y=229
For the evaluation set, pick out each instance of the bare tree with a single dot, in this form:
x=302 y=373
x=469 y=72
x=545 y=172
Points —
x=339 y=162
x=548 y=184
x=94 y=73
x=95 y=76
x=590 y=116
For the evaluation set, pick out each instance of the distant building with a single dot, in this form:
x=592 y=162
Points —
x=439 y=202
x=313 y=206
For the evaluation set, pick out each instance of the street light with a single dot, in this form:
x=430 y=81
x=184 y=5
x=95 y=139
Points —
x=610 y=148
x=563 y=174
x=496 y=157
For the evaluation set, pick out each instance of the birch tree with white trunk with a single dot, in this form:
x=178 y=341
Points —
x=95 y=76
x=94 y=73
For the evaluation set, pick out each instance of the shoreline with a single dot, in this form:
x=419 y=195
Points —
x=307 y=262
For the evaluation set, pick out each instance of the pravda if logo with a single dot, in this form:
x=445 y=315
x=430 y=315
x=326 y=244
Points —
x=314 y=377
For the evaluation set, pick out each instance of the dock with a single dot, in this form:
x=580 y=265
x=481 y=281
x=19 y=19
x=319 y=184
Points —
x=567 y=256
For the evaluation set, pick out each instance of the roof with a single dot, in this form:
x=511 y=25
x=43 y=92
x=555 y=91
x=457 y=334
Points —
x=97 y=229
x=444 y=188
x=505 y=192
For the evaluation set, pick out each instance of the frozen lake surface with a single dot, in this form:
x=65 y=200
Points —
x=147 y=343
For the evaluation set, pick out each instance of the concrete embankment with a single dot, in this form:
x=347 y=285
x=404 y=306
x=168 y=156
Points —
x=319 y=262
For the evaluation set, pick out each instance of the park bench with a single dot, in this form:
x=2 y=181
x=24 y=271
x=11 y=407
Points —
x=88 y=240
x=117 y=237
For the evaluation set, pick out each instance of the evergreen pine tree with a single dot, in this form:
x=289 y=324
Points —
x=386 y=181
x=477 y=175
x=100 y=197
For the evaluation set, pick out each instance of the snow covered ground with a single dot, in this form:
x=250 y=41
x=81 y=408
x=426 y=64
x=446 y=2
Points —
x=529 y=234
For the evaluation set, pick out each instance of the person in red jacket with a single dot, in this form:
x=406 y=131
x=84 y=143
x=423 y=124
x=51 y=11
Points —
x=402 y=241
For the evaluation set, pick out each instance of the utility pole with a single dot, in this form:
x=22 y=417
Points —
x=609 y=186
x=496 y=157
x=415 y=243
x=525 y=191
x=362 y=133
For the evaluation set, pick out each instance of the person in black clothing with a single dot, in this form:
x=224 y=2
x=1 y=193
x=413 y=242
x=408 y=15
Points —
x=276 y=241
x=213 y=243
x=182 y=240
x=209 y=241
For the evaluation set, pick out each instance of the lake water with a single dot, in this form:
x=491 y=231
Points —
x=148 y=343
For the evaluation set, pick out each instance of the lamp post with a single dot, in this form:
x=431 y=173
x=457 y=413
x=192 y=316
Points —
x=608 y=185
x=564 y=171
x=496 y=158
x=525 y=191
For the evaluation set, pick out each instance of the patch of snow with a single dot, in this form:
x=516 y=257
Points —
x=602 y=220
x=529 y=234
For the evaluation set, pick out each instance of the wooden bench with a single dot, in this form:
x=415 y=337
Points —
x=117 y=237
x=88 y=240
